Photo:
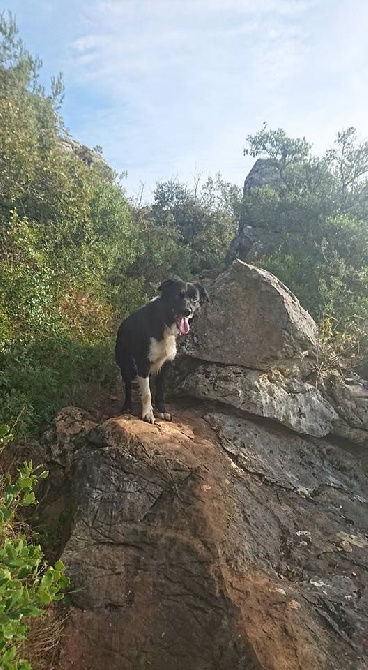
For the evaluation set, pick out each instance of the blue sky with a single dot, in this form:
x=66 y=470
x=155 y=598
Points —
x=171 y=88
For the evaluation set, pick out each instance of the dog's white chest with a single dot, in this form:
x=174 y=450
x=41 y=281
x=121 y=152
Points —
x=163 y=350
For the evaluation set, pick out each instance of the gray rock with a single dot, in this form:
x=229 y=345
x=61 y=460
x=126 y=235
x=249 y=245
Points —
x=259 y=345
x=218 y=544
x=288 y=460
x=67 y=433
x=254 y=347
x=265 y=172
x=350 y=399
x=294 y=403
x=253 y=321
x=252 y=241
x=357 y=436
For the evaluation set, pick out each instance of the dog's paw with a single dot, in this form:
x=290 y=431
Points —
x=148 y=416
x=164 y=416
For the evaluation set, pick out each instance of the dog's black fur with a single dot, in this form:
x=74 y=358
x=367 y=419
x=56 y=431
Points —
x=146 y=341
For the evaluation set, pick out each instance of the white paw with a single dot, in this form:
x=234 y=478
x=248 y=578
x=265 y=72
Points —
x=165 y=416
x=148 y=416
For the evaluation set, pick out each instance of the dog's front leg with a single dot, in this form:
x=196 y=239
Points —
x=147 y=411
x=159 y=400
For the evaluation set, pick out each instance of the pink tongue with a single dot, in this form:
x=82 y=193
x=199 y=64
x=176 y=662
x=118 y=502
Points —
x=184 y=326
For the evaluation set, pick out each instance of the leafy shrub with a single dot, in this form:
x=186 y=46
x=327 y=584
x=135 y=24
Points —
x=317 y=212
x=40 y=376
x=66 y=239
x=186 y=230
x=27 y=584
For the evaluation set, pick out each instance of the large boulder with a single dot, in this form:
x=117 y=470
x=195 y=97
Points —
x=214 y=544
x=253 y=321
x=255 y=348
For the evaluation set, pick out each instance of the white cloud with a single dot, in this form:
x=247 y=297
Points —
x=174 y=86
x=191 y=76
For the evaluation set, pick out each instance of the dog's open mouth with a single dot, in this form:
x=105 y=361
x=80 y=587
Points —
x=183 y=325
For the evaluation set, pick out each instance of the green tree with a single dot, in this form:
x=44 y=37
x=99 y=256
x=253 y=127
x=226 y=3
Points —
x=318 y=208
x=348 y=162
x=66 y=239
x=193 y=225
x=27 y=584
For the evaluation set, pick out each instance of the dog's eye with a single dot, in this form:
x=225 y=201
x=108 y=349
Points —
x=182 y=294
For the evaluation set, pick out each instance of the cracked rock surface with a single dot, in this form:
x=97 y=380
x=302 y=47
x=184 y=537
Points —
x=213 y=544
x=291 y=401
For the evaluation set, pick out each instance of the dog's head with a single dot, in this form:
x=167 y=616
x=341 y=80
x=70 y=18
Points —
x=184 y=299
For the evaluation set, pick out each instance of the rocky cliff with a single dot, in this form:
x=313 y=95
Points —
x=251 y=241
x=214 y=542
x=235 y=537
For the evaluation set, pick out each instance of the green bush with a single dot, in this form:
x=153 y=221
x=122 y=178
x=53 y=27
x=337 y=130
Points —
x=316 y=211
x=27 y=584
x=186 y=230
x=40 y=376
x=66 y=239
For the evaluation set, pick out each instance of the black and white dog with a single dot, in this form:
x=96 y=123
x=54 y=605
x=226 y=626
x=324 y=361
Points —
x=147 y=341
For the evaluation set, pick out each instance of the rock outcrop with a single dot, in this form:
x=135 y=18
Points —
x=251 y=241
x=254 y=321
x=255 y=348
x=235 y=537
x=265 y=172
x=90 y=157
x=350 y=398
x=292 y=402
x=212 y=543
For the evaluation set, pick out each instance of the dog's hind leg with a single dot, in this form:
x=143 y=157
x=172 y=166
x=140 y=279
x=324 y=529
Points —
x=127 y=407
x=127 y=368
x=128 y=373
x=159 y=399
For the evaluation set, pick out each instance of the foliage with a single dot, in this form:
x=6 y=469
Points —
x=187 y=230
x=76 y=255
x=66 y=239
x=39 y=377
x=348 y=161
x=318 y=208
x=27 y=584
x=276 y=145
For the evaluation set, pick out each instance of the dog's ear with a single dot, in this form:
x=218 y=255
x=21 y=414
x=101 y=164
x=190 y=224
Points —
x=168 y=283
x=203 y=295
